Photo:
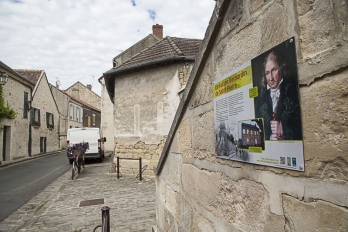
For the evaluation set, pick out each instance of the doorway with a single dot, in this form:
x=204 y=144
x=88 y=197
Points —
x=6 y=141
x=42 y=144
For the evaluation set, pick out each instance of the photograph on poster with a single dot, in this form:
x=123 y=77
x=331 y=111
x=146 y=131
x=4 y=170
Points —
x=257 y=117
x=251 y=134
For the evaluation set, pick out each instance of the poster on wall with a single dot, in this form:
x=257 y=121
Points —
x=257 y=112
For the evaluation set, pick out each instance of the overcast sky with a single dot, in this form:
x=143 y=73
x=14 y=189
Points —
x=75 y=40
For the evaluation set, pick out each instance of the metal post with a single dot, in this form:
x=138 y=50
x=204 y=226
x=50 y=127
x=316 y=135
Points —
x=105 y=219
x=118 y=167
x=140 y=171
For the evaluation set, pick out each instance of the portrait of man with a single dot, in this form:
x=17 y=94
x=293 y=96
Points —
x=275 y=74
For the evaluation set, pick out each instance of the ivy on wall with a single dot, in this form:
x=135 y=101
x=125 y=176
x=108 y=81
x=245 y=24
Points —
x=5 y=111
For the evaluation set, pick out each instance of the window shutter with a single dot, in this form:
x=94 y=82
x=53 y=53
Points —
x=47 y=118
x=25 y=105
x=32 y=115
x=39 y=116
x=52 y=121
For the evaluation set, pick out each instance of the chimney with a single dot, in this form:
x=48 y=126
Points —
x=157 y=30
x=57 y=85
x=89 y=86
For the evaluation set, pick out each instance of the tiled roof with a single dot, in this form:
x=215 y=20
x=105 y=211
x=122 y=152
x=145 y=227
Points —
x=31 y=75
x=12 y=71
x=167 y=47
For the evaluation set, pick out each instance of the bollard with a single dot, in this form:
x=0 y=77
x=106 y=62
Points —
x=105 y=220
x=140 y=171
x=118 y=167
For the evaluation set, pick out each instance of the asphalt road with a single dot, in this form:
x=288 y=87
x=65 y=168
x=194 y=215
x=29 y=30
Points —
x=21 y=182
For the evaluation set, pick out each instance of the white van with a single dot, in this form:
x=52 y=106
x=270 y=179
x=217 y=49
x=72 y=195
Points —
x=90 y=135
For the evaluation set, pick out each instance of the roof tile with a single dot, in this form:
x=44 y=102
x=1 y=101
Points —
x=31 y=75
x=167 y=47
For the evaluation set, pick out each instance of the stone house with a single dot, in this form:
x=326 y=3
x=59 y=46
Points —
x=84 y=93
x=62 y=101
x=82 y=114
x=145 y=91
x=107 y=107
x=197 y=191
x=14 y=133
x=44 y=114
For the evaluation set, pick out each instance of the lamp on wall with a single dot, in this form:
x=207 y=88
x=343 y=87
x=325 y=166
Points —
x=3 y=78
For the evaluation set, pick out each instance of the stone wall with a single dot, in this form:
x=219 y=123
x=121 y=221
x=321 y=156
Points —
x=44 y=101
x=107 y=113
x=107 y=118
x=17 y=138
x=145 y=105
x=63 y=108
x=85 y=94
x=198 y=192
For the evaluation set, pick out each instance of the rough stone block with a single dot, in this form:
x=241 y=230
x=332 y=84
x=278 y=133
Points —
x=171 y=171
x=313 y=216
x=203 y=135
x=185 y=137
x=225 y=60
x=317 y=27
x=204 y=192
x=256 y=4
x=203 y=90
x=243 y=203
x=201 y=224
x=173 y=202
x=325 y=123
x=273 y=27
x=274 y=223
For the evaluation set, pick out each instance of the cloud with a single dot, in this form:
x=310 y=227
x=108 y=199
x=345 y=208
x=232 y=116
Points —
x=152 y=14
x=76 y=40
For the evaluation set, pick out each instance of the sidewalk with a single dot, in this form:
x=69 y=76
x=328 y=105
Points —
x=57 y=207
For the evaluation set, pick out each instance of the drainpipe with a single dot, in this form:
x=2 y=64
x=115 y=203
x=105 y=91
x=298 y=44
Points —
x=59 y=145
x=30 y=121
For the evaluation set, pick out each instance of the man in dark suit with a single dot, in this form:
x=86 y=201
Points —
x=278 y=103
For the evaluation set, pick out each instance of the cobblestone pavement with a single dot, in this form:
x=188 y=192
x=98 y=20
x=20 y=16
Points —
x=57 y=207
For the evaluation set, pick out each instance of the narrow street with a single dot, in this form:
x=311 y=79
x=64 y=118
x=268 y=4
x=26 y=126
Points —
x=75 y=205
x=21 y=182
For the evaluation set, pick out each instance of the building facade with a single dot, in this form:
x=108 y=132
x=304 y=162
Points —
x=146 y=92
x=14 y=133
x=44 y=121
x=85 y=93
x=107 y=107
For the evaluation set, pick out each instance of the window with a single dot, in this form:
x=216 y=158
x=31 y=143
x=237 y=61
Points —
x=243 y=131
x=25 y=105
x=78 y=114
x=93 y=119
x=71 y=111
x=35 y=116
x=49 y=120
